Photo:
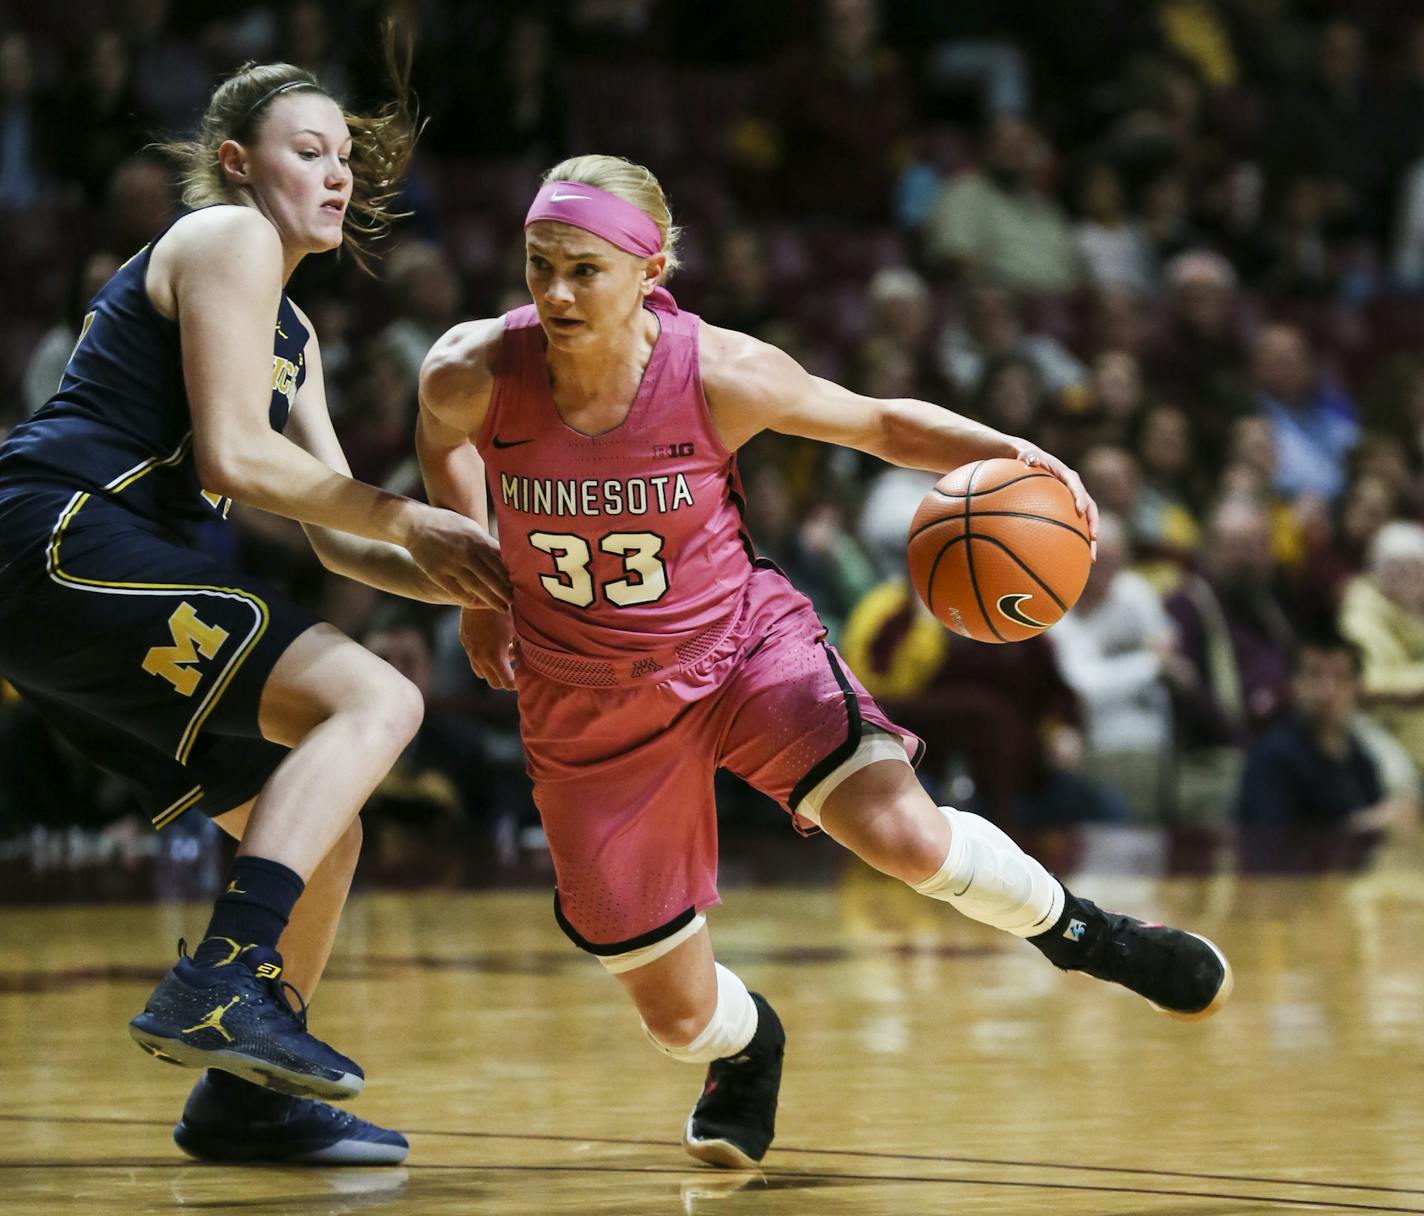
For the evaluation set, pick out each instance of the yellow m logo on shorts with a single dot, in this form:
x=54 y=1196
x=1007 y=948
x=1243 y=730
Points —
x=191 y=638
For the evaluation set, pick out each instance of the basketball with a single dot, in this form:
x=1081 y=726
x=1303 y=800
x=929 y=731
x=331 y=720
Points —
x=998 y=551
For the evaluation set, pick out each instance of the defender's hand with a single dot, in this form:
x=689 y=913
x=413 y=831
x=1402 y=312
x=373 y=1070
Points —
x=488 y=639
x=461 y=558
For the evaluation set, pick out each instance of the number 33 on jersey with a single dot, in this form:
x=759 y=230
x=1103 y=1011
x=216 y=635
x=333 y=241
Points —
x=616 y=542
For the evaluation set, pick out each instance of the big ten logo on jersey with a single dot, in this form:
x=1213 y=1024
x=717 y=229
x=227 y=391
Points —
x=671 y=451
x=178 y=663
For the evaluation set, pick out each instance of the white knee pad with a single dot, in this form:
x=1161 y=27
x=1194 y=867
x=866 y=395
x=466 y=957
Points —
x=731 y=1028
x=990 y=879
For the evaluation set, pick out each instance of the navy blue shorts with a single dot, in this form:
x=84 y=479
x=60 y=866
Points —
x=147 y=655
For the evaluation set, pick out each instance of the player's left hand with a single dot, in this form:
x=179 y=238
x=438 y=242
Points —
x=1035 y=457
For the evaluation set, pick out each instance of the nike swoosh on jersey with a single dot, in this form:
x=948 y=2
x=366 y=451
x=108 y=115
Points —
x=509 y=443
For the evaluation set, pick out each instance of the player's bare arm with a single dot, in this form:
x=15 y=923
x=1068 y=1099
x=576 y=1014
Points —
x=456 y=380
x=379 y=564
x=221 y=277
x=752 y=386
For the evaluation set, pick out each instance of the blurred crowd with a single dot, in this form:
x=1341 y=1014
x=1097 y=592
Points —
x=1180 y=243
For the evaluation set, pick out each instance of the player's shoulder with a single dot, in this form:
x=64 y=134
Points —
x=226 y=229
x=733 y=362
x=462 y=362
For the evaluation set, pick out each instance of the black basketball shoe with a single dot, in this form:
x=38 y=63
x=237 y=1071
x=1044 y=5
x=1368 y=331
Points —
x=1180 y=974
x=226 y=1119
x=734 y=1120
x=236 y=1017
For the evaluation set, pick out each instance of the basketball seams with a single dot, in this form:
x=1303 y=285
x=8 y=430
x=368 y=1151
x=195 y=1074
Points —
x=1019 y=562
x=969 y=554
x=1003 y=485
x=1042 y=519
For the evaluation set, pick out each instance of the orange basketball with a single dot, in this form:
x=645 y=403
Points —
x=998 y=551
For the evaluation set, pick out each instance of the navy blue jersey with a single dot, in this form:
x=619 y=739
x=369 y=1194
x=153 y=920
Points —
x=119 y=424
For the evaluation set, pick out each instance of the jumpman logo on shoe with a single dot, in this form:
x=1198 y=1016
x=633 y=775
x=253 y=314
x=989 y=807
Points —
x=232 y=889
x=213 y=1020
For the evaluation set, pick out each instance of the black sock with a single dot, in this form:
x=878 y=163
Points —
x=253 y=910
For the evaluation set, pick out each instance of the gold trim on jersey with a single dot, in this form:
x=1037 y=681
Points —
x=173 y=810
x=229 y=672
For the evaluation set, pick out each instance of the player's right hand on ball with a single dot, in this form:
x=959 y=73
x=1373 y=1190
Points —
x=461 y=558
x=488 y=639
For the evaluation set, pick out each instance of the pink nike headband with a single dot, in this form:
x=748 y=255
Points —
x=618 y=222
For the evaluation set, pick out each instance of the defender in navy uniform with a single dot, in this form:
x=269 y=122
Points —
x=197 y=382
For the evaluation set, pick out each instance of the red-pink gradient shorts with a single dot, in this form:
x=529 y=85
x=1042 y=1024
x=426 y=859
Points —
x=623 y=775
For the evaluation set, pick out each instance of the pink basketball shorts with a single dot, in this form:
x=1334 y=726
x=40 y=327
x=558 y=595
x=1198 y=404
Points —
x=623 y=775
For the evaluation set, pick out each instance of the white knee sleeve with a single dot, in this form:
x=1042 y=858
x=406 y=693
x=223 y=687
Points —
x=990 y=879
x=733 y=1023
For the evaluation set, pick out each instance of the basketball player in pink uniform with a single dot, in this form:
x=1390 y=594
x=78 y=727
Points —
x=650 y=646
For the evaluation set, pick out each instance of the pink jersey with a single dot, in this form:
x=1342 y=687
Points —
x=623 y=543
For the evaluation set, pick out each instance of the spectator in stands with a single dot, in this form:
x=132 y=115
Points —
x=1109 y=241
x=1115 y=385
x=139 y=201
x=1314 y=423
x=999 y=221
x=992 y=327
x=1337 y=555
x=442 y=787
x=427 y=292
x=1334 y=124
x=1236 y=634
x=100 y=114
x=1312 y=775
x=1112 y=649
x=23 y=145
x=1164 y=443
x=1198 y=360
x=1000 y=715
x=1382 y=612
x=842 y=102
x=740 y=293
x=47 y=361
x=815 y=549
x=901 y=315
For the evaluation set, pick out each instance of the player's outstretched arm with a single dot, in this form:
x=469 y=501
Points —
x=377 y=563
x=752 y=386
x=224 y=267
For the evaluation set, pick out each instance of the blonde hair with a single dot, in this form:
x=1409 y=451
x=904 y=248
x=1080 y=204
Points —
x=381 y=144
x=630 y=182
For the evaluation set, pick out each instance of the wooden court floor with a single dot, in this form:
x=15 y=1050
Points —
x=932 y=1065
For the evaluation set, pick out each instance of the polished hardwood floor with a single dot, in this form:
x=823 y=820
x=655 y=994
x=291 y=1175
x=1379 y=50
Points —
x=933 y=1065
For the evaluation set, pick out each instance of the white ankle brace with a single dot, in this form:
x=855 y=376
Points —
x=730 y=1029
x=990 y=879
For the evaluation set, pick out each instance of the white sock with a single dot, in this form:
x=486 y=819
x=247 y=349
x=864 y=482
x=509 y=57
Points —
x=730 y=1029
x=990 y=879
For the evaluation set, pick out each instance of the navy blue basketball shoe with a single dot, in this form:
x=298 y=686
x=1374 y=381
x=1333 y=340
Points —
x=1181 y=974
x=228 y=1119
x=734 y=1120
x=236 y=1017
